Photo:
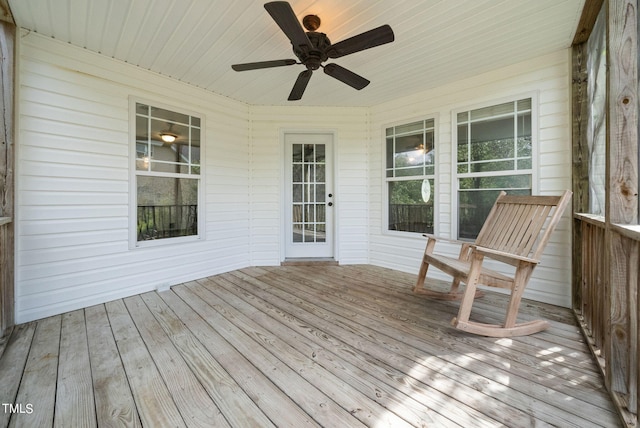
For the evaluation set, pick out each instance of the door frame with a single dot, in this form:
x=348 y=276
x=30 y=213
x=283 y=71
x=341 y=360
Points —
x=284 y=186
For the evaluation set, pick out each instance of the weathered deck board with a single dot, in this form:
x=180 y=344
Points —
x=257 y=348
x=12 y=365
x=153 y=400
x=195 y=406
x=114 y=403
x=276 y=405
x=74 y=394
x=38 y=385
x=298 y=346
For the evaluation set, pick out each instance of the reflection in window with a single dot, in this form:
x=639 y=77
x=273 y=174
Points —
x=167 y=168
x=494 y=153
x=410 y=175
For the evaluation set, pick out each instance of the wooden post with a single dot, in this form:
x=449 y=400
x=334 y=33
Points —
x=7 y=42
x=580 y=159
x=621 y=204
x=580 y=177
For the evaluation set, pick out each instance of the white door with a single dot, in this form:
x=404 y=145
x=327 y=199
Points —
x=309 y=198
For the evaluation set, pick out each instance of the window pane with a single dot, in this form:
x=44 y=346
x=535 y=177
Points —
x=463 y=143
x=407 y=209
x=389 y=152
x=524 y=104
x=308 y=152
x=410 y=127
x=167 y=207
x=180 y=155
x=410 y=152
x=501 y=182
x=142 y=109
x=320 y=153
x=497 y=110
x=493 y=139
x=407 y=172
x=297 y=193
x=320 y=173
x=169 y=116
x=524 y=147
x=195 y=146
x=525 y=164
x=492 y=166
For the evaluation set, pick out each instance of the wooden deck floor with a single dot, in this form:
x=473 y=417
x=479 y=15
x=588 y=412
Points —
x=334 y=346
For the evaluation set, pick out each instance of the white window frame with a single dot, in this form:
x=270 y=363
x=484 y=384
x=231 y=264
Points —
x=454 y=150
x=134 y=173
x=385 y=180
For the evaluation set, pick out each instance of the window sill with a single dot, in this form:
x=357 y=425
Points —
x=164 y=242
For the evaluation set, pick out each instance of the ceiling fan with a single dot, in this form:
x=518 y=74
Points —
x=313 y=48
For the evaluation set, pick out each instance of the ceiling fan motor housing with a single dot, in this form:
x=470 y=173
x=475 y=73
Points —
x=314 y=55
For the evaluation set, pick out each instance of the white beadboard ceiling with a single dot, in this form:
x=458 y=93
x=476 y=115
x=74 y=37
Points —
x=197 y=41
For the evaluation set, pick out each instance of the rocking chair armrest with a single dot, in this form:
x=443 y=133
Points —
x=503 y=256
x=451 y=241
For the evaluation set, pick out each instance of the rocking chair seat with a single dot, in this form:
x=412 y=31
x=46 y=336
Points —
x=461 y=268
x=515 y=232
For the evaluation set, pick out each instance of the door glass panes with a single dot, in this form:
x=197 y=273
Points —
x=308 y=172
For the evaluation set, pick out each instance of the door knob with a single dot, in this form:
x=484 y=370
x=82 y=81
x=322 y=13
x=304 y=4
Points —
x=330 y=195
x=330 y=204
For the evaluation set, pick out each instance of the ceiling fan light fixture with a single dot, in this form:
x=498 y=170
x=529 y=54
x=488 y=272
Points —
x=311 y=22
x=168 y=137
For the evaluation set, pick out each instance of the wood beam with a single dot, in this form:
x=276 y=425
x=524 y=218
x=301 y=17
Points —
x=587 y=20
x=5 y=12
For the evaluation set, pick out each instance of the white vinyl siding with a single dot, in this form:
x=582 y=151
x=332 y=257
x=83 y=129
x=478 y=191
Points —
x=73 y=196
x=349 y=126
x=547 y=77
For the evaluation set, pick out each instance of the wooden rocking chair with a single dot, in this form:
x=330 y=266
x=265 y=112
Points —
x=516 y=232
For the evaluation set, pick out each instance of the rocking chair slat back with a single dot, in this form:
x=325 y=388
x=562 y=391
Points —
x=515 y=222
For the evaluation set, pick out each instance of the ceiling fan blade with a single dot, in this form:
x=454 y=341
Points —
x=346 y=76
x=368 y=39
x=300 y=85
x=283 y=14
x=263 y=64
